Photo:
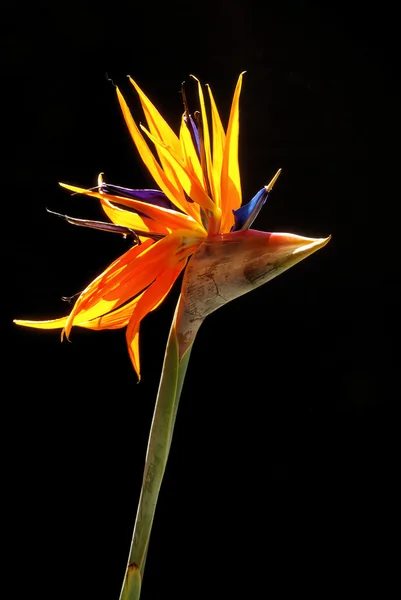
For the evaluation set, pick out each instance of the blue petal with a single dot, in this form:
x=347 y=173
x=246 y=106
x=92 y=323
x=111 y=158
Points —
x=155 y=197
x=190 y=123
x=245 y=215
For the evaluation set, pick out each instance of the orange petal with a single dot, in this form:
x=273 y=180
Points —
x=91 y=296
x=151 y=298
x=231 y=197
x=189 y=153
x=129 y=219
x=168 y=218
x=89 y=315
x=169 y=186
x=160 y=129
x=188 y=182
x=218 y=147
x=130 y=274
x=157 y=125
x=115 y=319
x=206 y=137
x=50 y=324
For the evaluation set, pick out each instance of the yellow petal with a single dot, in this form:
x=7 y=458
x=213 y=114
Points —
x=132 y=220
x=151 y=298
x=161 y=130
x=206 y=137
x=129 y=275
x=218 y=147
x=115 y=319
x=48 y=324
x=189 y=153
x=169 y=218
x=92 y=295
x=95 y=314
x=157 y=125
x=188 y=182
x=97 y=317
x=169 y=186
x=230 y=175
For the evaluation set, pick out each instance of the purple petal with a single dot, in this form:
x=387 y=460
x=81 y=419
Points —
x=110 y=227
x=155 y=197
x=245 y=215
x=193 y=130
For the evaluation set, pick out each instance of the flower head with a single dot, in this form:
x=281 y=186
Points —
x=198 y=202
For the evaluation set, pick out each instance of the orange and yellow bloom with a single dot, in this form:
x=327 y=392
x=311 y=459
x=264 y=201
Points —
x=195 y=215
x=198 y=199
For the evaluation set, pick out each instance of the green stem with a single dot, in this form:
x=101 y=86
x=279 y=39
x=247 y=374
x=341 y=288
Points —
x=161 y=432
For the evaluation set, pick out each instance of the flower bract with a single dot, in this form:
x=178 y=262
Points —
x=197 y=205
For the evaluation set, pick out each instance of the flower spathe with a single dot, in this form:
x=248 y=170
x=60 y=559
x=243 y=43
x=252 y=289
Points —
x=198 y=200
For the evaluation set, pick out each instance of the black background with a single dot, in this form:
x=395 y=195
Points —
x=280 y=475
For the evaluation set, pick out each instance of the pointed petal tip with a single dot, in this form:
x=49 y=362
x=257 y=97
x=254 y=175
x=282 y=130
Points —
x=30 y=323
x=312 y=245
x=119 y=95
x=270 y=185
x=71 y=188
x=196 y=78
x=292 y=248
x=308 y=247
x=134 y=83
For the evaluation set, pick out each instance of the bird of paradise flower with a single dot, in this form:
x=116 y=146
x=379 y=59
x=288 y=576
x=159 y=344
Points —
x=195 y=215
